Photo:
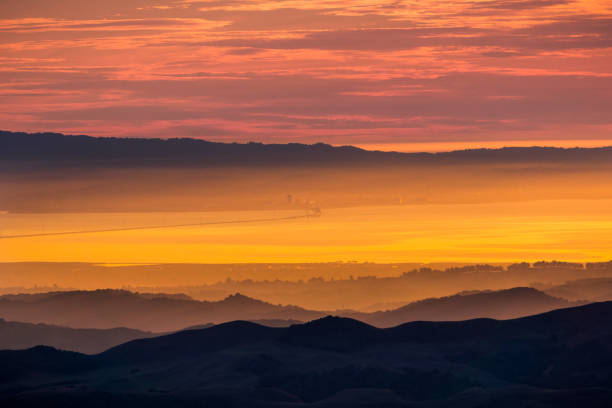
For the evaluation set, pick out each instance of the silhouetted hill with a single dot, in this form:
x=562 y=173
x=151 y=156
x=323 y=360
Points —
x=503 y=304
x=86 y=174
x=191 y=343
x=17 y=335
x=262 y=322
x=331 y=333
x=55 y=147
x=157 y=313
x=561 y=358
x=41 y=360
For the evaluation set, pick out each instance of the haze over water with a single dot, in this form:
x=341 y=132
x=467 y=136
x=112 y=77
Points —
x=572 y=230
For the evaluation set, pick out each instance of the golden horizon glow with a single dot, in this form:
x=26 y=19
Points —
x=441 y=147
x=565 y=230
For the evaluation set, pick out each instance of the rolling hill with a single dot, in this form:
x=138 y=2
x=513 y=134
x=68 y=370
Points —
x=557 y=359
x=56 y=147
x=17 y=335
x=502 y=304
x=106 y=309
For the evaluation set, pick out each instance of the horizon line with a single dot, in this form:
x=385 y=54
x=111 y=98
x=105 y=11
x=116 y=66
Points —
x=433 y=147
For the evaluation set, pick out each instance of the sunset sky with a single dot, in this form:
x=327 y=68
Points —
x=406 y=75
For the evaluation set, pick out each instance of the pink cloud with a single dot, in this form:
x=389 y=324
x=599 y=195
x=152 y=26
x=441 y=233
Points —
x=333 y=71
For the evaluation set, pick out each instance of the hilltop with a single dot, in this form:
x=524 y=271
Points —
x=106 y=309
x=57 y=147
x=336 y=362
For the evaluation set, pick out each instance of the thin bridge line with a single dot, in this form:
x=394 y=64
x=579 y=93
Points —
x=49 y=234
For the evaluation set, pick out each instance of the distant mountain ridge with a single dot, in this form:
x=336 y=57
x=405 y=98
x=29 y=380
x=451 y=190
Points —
x=105 y=309
x=77 y=174
x=56 y=147
x=157 y=313
x=593 y=289
x=502 y=305
x=18 y=335
x=336 y=362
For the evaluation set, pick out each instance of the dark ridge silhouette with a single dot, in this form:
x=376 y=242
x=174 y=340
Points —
x=161 y=311
x=17 y=335
x=590 y=321
x=17 y=146
x=332 y=333
x=55 y=147
x=555 y=359
x=192 y=343
x=41 y=360
x=276 y=322
x=262 y=322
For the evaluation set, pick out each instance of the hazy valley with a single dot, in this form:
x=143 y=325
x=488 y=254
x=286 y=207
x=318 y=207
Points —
x=305 y=204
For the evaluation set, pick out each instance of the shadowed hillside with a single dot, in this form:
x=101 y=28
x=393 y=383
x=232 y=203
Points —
x=337 y=362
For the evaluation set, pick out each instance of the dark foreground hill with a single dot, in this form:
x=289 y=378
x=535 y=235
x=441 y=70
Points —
x=558 y=359
x=105 y=309
x=103 y=312
x=19 y=336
